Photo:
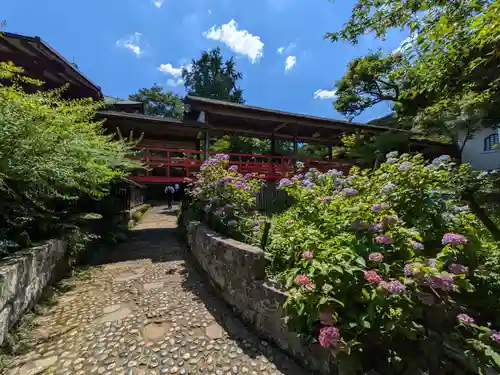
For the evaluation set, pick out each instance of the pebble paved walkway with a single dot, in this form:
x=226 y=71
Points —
x=147 y=311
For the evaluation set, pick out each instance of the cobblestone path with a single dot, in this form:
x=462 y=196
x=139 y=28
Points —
x=147 y=311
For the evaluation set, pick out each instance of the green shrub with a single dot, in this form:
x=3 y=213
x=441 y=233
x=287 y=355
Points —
x=389 y=269
x=52 y=153
x=225 y=199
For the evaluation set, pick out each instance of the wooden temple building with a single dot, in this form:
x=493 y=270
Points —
x=173 y=149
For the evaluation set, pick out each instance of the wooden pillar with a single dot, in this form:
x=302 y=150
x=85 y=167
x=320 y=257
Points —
x=273 y=145
x=330 y=150
x=206 y=144
x=295 y=147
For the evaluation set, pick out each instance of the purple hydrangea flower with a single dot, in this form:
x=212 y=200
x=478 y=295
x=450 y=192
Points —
x=377 y=207
x=334 y=172
x=233 y=168
x=442 y=282
x=241 y=185
x=405 y=165
x=377 y=227
x=222 y=157
x=417 y=245
x=393 y=286
x=458 y=269
x=411 y=268
x=284 y=182
x=350 y=191
x=453 y=239
x=431 y=262
x=383 y=240
x=325 y=199
x=387 y=188
x=441 y=159
x=307 y=183
x=465 y=319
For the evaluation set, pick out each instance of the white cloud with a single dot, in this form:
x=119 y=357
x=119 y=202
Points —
x=325 y=94
x=169 y=69
x=158 y=3
x=285 y=50
x=132 y=43
x=175 y=74
x=209 y=12
x=240 y=41
x=290 y=62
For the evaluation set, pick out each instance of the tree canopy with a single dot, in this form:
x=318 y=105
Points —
x=212 y=77
x=157 y=102
x=52 y=151
x=445 y=77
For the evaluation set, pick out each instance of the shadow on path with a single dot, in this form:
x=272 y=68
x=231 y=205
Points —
x=147 y=310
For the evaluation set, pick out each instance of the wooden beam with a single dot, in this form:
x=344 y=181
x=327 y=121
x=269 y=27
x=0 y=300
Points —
x=280 y=126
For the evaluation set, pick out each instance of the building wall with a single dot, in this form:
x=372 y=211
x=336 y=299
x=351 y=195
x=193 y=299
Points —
x=476 y=156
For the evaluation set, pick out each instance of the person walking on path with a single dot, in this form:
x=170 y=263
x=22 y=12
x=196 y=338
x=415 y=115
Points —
x=169 y=191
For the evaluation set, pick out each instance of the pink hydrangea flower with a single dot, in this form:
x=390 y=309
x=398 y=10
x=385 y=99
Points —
x=307 y=255
x=453 y=239
x=383 y=240
x=376 y=257
x=302 y=280
x=465 y=319
x=328 y=335
x=458 y=269
x=372 y=277
x=495 y=336
x=309 y=286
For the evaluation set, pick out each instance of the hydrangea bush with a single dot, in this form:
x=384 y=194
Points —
x=389 y=269
x=226 y=199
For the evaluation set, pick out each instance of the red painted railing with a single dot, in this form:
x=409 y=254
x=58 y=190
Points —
x=175 y=165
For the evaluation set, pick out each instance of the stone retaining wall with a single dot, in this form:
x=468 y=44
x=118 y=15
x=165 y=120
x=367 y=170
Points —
x=23 y=277
x=237 y=272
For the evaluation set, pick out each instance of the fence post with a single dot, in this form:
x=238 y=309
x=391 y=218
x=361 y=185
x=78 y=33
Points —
x=265 y=235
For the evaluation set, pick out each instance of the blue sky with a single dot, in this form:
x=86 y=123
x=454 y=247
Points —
x=124 y=45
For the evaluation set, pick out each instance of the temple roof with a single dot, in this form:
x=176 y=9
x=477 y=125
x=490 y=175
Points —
x=39 y=60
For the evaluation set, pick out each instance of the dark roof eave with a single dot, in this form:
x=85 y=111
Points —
x=202 y=104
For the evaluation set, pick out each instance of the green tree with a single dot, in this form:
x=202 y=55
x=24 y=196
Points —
x=212 y=77
x=445 y=78
x=52 y=153
x=159 y=103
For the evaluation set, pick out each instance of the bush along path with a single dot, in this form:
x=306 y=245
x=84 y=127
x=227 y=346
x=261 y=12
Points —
x=146 y=311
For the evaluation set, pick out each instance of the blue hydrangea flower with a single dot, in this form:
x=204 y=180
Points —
x=284 y=182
